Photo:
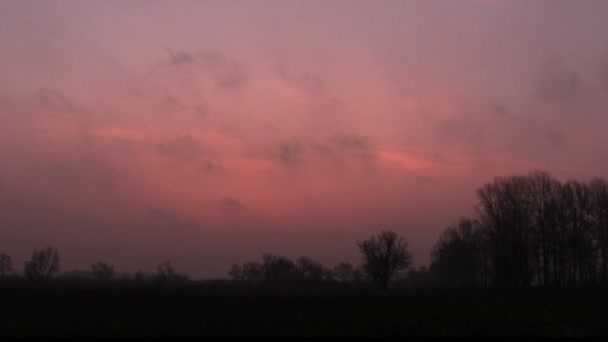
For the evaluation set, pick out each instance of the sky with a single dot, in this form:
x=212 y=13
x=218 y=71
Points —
x=209 y=132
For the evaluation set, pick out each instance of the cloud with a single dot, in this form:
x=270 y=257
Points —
x=181 y=148
x=352 y=141
x=502 y=111
x=227 y=74
x=291 y=153
x=557 y=82
x=307 y=82
x=173 y=102
x=55 y=101
x=338 y=151
x=172 y=220
x=233 y=204
x=461 y=130
x=210 y=167
x=162 y=215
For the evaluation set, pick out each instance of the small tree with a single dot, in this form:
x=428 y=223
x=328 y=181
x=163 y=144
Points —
x=384 y=255
x=165 y=272
x=43 y=264
x=236 y=272
x=102 y=271
x=344 y=272
x=6 y=265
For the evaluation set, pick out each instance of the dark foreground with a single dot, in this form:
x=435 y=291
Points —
x=126 y=311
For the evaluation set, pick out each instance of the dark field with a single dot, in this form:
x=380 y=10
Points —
x=229 y=311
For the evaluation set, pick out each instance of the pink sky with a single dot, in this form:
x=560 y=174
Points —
x=210 y=132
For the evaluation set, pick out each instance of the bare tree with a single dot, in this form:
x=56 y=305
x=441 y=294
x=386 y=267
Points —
x=505 y=209
x=544 y=195
x=165 y=272
x=309 y=270
x=344 y=272
x=102 y=271
x=278 y=268
x=43 y=264
x=236 y=272
x=6 y=265
x=384 y=255
x=599 y=194
x=252 y=272
x=457 y=256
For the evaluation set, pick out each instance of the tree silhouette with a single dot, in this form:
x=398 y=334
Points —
x=236 y=272
x=6 y=265
x=457 y=255
x=384 y=255
x=165 y=272
x=252 y=272
x=102 y=271
x=43 y=264
x=278 y=268
x=533 y=230
x=310 y=270
x=599 y=205
x=344 y=272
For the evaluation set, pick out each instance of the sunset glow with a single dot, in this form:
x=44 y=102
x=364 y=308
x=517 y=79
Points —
x=210 y=132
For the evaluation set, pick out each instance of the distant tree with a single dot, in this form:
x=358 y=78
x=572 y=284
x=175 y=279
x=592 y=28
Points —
x=344 y=272
x=278 y=268
x=252 y=272
x=328 y=274
x=236 y=272
x=384 y=255
x=310 y=270
x=165 y=272
x=43 y=264
x=6 y=265
x=102 y=271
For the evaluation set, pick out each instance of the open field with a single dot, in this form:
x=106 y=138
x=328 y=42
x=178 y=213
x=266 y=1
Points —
x=230 y=311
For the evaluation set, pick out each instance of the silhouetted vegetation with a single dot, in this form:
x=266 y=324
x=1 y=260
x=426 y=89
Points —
x=43 y=264
x=385 y=255
x=103 y=271
x=515 y=267
x=6 y=265
x=344 y=272
x=529 y=231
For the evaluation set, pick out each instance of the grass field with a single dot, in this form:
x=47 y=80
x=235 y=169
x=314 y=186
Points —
x=131 y=311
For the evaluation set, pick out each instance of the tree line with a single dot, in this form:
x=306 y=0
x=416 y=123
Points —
x=384 y=256
x=528 y=230
x=44 y=265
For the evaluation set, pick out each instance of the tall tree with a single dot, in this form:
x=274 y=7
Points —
x=544 y=194
x=599 y=208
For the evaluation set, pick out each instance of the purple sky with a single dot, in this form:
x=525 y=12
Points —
x=210 y=132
